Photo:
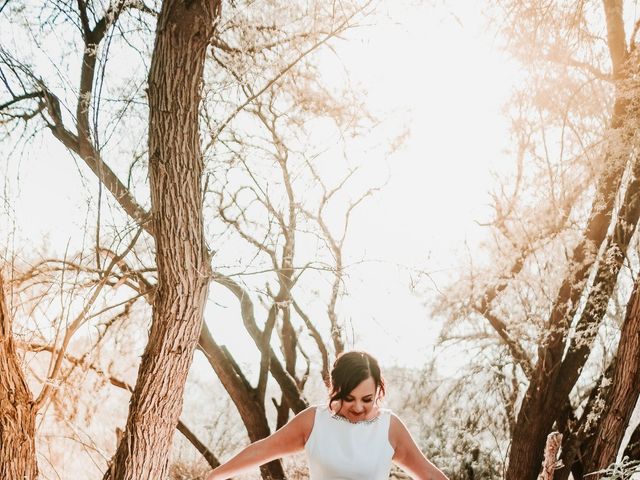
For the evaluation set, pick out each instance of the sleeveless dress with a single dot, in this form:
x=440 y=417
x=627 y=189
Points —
x=340 y=450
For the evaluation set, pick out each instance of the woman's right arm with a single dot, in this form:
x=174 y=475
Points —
x=408 y=455
x=288 y=440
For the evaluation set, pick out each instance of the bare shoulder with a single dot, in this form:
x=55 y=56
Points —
x=398 y=433
x=303 y=422
x=293 y=436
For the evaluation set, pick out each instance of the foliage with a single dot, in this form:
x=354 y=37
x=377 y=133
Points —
x=624 y=470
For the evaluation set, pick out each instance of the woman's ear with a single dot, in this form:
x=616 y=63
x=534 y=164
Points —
x=379 y=395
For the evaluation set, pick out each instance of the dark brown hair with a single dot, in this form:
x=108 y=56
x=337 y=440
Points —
x=349 y=370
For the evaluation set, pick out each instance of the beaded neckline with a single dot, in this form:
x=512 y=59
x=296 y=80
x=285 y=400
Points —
x=344 y=419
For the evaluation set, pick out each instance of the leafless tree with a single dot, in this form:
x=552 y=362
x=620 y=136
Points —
x=239 y=45
x=562 y=232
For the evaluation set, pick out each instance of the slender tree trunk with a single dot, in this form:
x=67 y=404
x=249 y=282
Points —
x=17 y=410
x=244 y=396
x=183 y=32
x=289 y=340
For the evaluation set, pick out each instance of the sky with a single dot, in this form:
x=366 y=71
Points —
x=453 y=79
x=433 y=69
x=437 y=71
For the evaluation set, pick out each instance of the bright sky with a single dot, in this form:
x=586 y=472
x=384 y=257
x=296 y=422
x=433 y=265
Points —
x=453 y=80
x=431 y=68
x=435 y=70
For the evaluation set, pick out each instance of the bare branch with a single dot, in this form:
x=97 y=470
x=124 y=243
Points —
x=75 y=325
x=287 y=384
x=116 y=382
x=315 y=334
x=334 y=33
x=19 y=98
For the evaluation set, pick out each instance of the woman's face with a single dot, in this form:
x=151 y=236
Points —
x=360 y=403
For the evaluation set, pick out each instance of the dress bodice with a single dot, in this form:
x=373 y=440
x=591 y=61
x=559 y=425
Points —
x=338 y=449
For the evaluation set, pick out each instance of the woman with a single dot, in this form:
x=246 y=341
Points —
x=351 y=438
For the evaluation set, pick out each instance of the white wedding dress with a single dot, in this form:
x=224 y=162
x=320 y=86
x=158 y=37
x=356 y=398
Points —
x=338 y=449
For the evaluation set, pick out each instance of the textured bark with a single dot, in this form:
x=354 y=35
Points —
x=624 y=391
x=17 y=410
x=604 y=283
x=175 y=170
x=579 y=439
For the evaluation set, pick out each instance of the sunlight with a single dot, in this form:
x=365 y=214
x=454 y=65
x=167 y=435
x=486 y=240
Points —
x=443 y=77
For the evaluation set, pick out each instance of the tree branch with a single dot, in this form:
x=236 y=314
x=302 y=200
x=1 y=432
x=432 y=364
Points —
x=280 y=74
x=116 y=382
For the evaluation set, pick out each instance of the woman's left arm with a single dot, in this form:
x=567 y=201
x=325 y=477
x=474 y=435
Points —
x=408 y=455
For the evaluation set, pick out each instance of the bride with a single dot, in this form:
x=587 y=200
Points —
x=350 y=438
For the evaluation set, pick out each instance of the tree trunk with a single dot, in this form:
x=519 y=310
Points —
x=624 y=391
x=580 y=433
x=542 y=403
x=183 y=32
x=539 y=406
x=289 y=341
x=244 y=396
x=17 y=410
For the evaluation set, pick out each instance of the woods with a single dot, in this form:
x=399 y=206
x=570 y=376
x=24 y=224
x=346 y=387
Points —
x=176 y=287
x=221 y=157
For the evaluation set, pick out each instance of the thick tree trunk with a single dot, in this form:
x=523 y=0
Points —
x=183 y=32
x=17 y=410
x=624 y=391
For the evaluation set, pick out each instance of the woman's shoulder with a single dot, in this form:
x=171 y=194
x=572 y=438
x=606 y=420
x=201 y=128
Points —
x=302 y=424
x=308 y=414
x=398 y=432
x=394 y=420
x=307 y=417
